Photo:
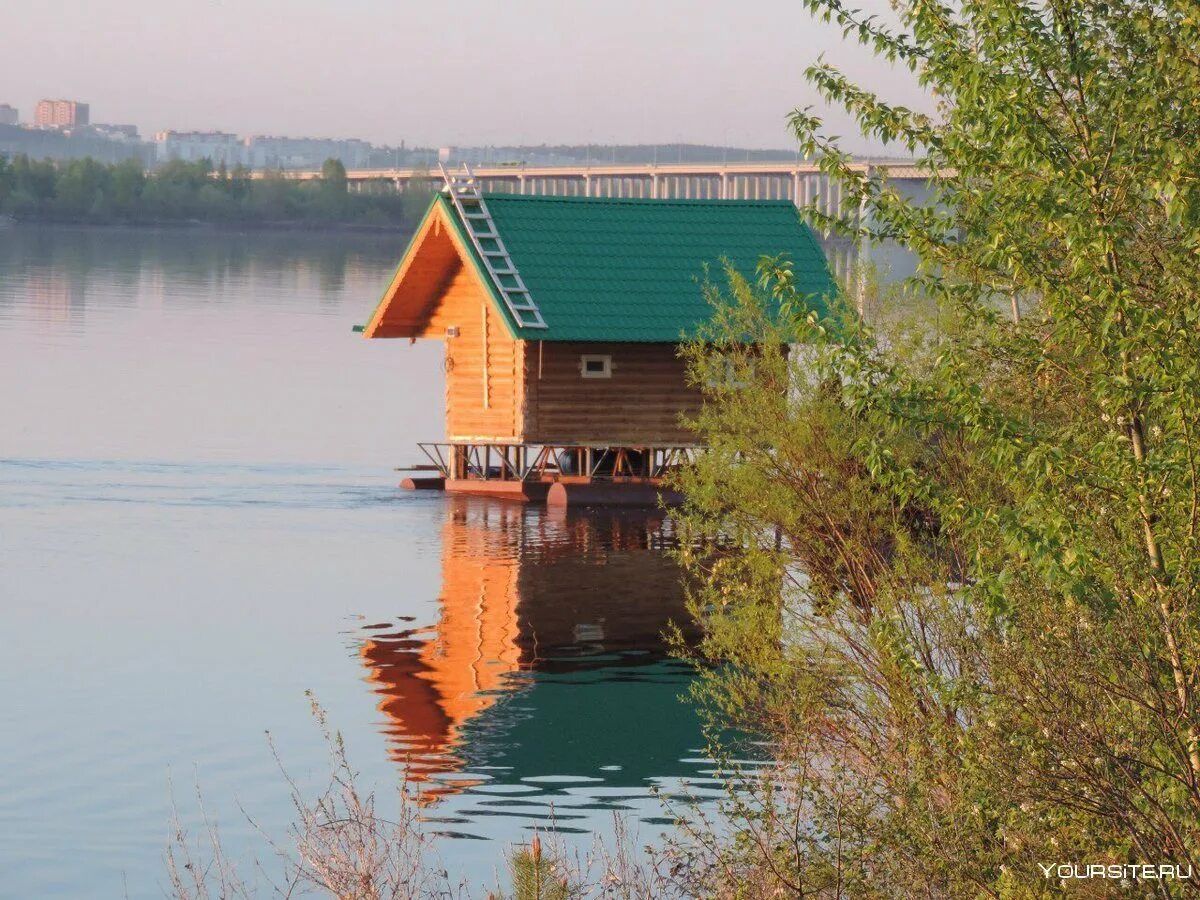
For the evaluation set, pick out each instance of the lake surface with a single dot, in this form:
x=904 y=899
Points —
x=199 y=523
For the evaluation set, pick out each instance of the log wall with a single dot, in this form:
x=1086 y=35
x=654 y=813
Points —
x=482 y=402
x=499 y=389
x=639 y=405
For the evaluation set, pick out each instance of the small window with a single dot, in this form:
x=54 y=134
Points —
x=727 y=376
x=595 y=366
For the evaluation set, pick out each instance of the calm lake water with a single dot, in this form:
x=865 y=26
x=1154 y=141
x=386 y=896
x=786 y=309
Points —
x=199 y=523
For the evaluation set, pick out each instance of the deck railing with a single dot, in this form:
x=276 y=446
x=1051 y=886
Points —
x=554 y=462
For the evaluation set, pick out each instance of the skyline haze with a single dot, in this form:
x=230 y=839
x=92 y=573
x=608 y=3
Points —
x=530 y=72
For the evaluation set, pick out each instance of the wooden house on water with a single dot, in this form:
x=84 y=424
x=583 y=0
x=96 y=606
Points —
x=562 y=318
x=526 y=592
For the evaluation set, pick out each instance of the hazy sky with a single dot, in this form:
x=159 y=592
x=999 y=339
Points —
x=510 y=71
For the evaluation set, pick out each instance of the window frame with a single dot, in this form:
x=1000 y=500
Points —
x=728 y=379
x=605 y=360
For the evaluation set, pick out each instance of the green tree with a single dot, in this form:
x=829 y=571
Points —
x=333 y=176
x=270 y=196
x=538 y=876
x=35 y=179
x=79 y=185
x=416 y=198
x=332 y=201
x=190 y=176
x=88 y=190
x=239 y=182
x=959 y=568
x=128 y=182
x=8 y=180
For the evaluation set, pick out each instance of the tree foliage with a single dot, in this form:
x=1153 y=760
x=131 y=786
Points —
x=959 y=583
x=89 y=191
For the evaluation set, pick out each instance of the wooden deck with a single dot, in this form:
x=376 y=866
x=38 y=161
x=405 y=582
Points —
x=558 y=475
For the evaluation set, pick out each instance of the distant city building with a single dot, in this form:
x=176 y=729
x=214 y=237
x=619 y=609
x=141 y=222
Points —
x=115 y=132
x=60 y=114
x=385 y=157
x=270 y=152
x=8 y=114
x=192 y=146
x=500 y=156
x=483 y=156
x=105 y=143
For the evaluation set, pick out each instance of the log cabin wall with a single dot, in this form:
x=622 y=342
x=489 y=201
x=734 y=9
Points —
x=570 y=589
x=483 y=402
x=431 y=687
x=640 y=404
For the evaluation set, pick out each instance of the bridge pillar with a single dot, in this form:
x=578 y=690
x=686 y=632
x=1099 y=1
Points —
x=864 y=249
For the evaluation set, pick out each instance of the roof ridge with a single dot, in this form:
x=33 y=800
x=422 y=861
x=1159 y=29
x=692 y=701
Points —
x=659 y=201
x=580 y=263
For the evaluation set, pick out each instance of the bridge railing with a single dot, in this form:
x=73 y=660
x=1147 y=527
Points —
x=802 y=183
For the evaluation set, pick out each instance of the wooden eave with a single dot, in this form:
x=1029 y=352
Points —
x=433 y=256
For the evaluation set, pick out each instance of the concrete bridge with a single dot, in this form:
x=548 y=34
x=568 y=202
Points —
x=803 y=183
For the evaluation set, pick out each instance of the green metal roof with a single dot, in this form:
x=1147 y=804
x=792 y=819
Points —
x=606 y=269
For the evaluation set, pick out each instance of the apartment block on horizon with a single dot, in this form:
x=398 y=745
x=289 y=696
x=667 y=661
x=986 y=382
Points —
x=192 y=146
x=271 y=152
x=8 y=114
x=114 y=132
x=60 y=114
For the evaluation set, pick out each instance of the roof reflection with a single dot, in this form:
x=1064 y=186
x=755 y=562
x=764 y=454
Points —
x=531 y=599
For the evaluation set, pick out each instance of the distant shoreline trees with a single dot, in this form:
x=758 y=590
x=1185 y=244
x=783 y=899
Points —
x=86 y=191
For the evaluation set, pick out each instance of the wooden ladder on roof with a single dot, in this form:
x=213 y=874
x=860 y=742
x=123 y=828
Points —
x=464 y=192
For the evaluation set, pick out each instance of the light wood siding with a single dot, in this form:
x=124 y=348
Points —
x=471 y=412
x=414 y=289
x=560 y=592
x=499 y=390
x=433 y=681
x=640 y=404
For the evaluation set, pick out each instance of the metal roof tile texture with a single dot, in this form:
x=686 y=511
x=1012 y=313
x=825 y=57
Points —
x=603 y=269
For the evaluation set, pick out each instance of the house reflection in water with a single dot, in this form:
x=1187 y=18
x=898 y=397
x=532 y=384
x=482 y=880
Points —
x=548 y=661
